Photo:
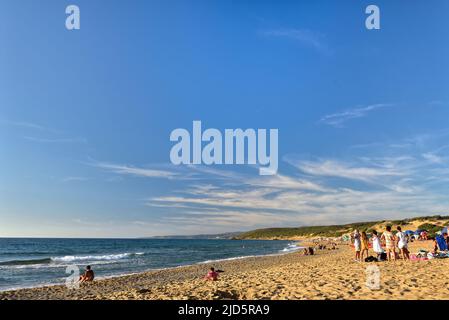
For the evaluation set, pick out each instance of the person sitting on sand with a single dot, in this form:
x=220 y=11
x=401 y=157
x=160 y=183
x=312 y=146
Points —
x=212 y=275
x=357 y=244
x=389 y=239
x=365 y=245
x=402 y=243
x=88 y=275
x=435 y=246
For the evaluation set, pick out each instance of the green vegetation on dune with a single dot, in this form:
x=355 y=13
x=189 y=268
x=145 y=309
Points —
x=432 y=229
x=324 y=231
x=336 y=230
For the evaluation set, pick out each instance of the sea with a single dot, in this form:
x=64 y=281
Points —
x=30 y=262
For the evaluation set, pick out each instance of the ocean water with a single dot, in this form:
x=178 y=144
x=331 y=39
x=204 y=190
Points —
x=34 y=262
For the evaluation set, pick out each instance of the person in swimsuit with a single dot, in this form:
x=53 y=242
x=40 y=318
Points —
x=435 y=246
x=389 y=239
x=88 y=275
x=365 y=245
x=212 y=275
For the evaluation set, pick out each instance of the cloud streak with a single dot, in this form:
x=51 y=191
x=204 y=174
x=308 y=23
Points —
x=340 y=118
x=384 y=183
x=306 y=37
x=136 y=171
x=55 y=140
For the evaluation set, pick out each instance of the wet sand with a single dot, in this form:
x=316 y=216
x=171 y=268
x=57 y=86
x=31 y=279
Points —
x=330 y=274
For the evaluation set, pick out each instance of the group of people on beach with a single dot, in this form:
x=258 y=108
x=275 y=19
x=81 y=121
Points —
x=386 y=244
x=387 y=239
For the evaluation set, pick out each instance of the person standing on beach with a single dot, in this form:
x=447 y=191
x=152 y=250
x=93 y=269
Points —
x=365 y=245
x=376 y=245
x=402 y=243
x=357 y=244
x=389 y=239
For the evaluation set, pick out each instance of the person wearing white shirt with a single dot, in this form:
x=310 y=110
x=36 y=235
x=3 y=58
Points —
x=402 y=243
x=377 y=248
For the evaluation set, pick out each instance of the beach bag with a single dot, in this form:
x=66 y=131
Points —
x=370 y=259
x=382 y=256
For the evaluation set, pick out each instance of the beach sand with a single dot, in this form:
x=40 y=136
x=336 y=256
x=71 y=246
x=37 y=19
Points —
x=330 y=274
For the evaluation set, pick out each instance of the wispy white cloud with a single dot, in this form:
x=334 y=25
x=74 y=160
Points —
x=56 y=140
x=74 y=179
x=41 y=133
x=306 y=37
x=383 y=182
x=340 y=118
x=432 y=157
x=28 y=125
x=335 y=168
x=135 y=171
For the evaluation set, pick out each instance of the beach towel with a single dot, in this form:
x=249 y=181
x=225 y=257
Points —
x=442 y=245
x=414 y=257
x=441 y=255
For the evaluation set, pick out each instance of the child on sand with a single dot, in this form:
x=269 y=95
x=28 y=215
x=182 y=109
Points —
x=365 y=245
x=402 y=243
x=212 y=275
x=357 y=244
x=389 y=239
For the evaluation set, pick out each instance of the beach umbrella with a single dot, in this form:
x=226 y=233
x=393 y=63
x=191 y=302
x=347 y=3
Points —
x=408 y=232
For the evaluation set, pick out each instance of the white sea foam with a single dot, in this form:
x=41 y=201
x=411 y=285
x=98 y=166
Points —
x=292 y=247
x=106 y=257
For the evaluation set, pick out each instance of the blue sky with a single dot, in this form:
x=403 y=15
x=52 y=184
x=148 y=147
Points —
x=86 y=115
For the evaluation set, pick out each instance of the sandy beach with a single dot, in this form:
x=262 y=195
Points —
x=330 y=274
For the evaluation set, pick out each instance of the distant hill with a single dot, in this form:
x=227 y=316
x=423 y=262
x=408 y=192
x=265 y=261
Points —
x=429 y=223
x=228 y=235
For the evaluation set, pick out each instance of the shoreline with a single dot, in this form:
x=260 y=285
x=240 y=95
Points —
x=106 y=287
x=328 y=274
x=207 y=262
